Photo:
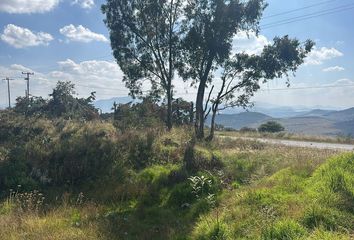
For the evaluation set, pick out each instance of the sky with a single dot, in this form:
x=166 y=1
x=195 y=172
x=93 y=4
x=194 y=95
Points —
x=67 y=40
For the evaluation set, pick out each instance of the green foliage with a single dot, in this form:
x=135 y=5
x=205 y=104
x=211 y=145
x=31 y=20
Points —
x=284 y=230
x=139 y=149
x=61 y=104
x=320 y=217
x=333 y=183
x=156 y=175
x=146 y=114
x=211 y=230
x=271 y=127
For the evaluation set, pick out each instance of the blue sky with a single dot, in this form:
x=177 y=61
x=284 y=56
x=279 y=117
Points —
x=67 y=40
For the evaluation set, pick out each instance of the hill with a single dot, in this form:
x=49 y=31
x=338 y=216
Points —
x=315 y=122
x=341 y=116
x=240 y=120
x=317 y=113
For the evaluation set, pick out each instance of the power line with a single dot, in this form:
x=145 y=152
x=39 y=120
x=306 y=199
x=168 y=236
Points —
x=309 y=87
x=308 y=16
x=297 y=9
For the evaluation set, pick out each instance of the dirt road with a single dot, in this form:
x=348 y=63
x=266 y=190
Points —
x=306 y=144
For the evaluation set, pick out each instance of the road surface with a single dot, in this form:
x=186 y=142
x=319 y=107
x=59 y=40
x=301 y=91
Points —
x=305 y=144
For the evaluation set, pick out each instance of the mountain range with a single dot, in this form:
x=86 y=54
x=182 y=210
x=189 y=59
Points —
x=314 y=122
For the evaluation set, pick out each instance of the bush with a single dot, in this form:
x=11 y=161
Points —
x=247 y=129
x=284 y=230
x=211 y=230
x=316 y=217
x=271 y=127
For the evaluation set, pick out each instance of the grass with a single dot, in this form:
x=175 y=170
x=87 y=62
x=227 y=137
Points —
x=240 y=189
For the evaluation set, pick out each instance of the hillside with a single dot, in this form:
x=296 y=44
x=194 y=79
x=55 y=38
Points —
x=240 y=120
x=315 y=122
x=341 y=116
x=316 y=113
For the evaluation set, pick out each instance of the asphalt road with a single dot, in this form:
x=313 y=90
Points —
x=305 y=144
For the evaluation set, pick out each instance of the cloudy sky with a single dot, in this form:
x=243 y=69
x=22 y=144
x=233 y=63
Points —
x=67 y=40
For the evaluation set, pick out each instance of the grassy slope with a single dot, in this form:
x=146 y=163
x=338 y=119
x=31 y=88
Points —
x=261 y=191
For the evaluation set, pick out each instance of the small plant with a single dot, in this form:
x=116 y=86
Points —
x=80 y=198
x=75 y=218
x=200 y=185
x=28 y=201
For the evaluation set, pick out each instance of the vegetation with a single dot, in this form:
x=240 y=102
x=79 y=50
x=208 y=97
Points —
x=271 y=127
x=72 y=179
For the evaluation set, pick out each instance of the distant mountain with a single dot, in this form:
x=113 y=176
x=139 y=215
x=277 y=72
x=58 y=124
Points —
x=311 y=125
x=106 y=104
x=315 y=122
x=317 y=113
x=341 y=116
x=240 y=120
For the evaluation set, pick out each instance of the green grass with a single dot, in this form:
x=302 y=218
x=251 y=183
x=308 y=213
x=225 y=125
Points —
x=239 y=190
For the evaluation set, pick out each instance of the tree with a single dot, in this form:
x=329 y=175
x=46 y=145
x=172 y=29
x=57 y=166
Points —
x=271 y=127
x=242 y=75
x=144 y=38
x=62 y=103
x=209 y=28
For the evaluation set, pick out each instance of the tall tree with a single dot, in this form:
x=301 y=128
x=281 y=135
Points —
x=144 y=37
x=209 y=27
x=242 y=75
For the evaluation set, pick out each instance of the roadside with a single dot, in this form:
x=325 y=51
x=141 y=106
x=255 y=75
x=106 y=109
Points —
x=296 y=143
x=290 y=136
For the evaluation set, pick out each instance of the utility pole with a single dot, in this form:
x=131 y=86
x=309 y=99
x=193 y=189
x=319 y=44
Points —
x=27 y=79
x=8 y=89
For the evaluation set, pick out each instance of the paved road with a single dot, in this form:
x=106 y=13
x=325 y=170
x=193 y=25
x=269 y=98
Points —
x=294 y=143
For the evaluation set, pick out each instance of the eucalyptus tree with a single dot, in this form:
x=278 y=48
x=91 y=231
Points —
x=243 y=74
x=145 y=35
x=209 y=27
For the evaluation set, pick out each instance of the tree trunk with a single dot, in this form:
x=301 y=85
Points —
x=212 y=126
x=199 y=121
x=169 y=110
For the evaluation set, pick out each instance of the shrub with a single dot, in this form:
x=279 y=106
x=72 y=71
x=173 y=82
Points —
x=321 y=217
x=284 y=230
x=248 y=129
x=271 y=127
x=211 y=230
x=181 y=195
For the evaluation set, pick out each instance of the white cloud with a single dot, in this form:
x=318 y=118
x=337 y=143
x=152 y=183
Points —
x=310 y=94
x=27 y=6
x=249 y=43
x=343 y=81
x=334 y=69
x=19 y=37
x=319 y=55
x=81 y=34
x=104 y=77
x=86 y=4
